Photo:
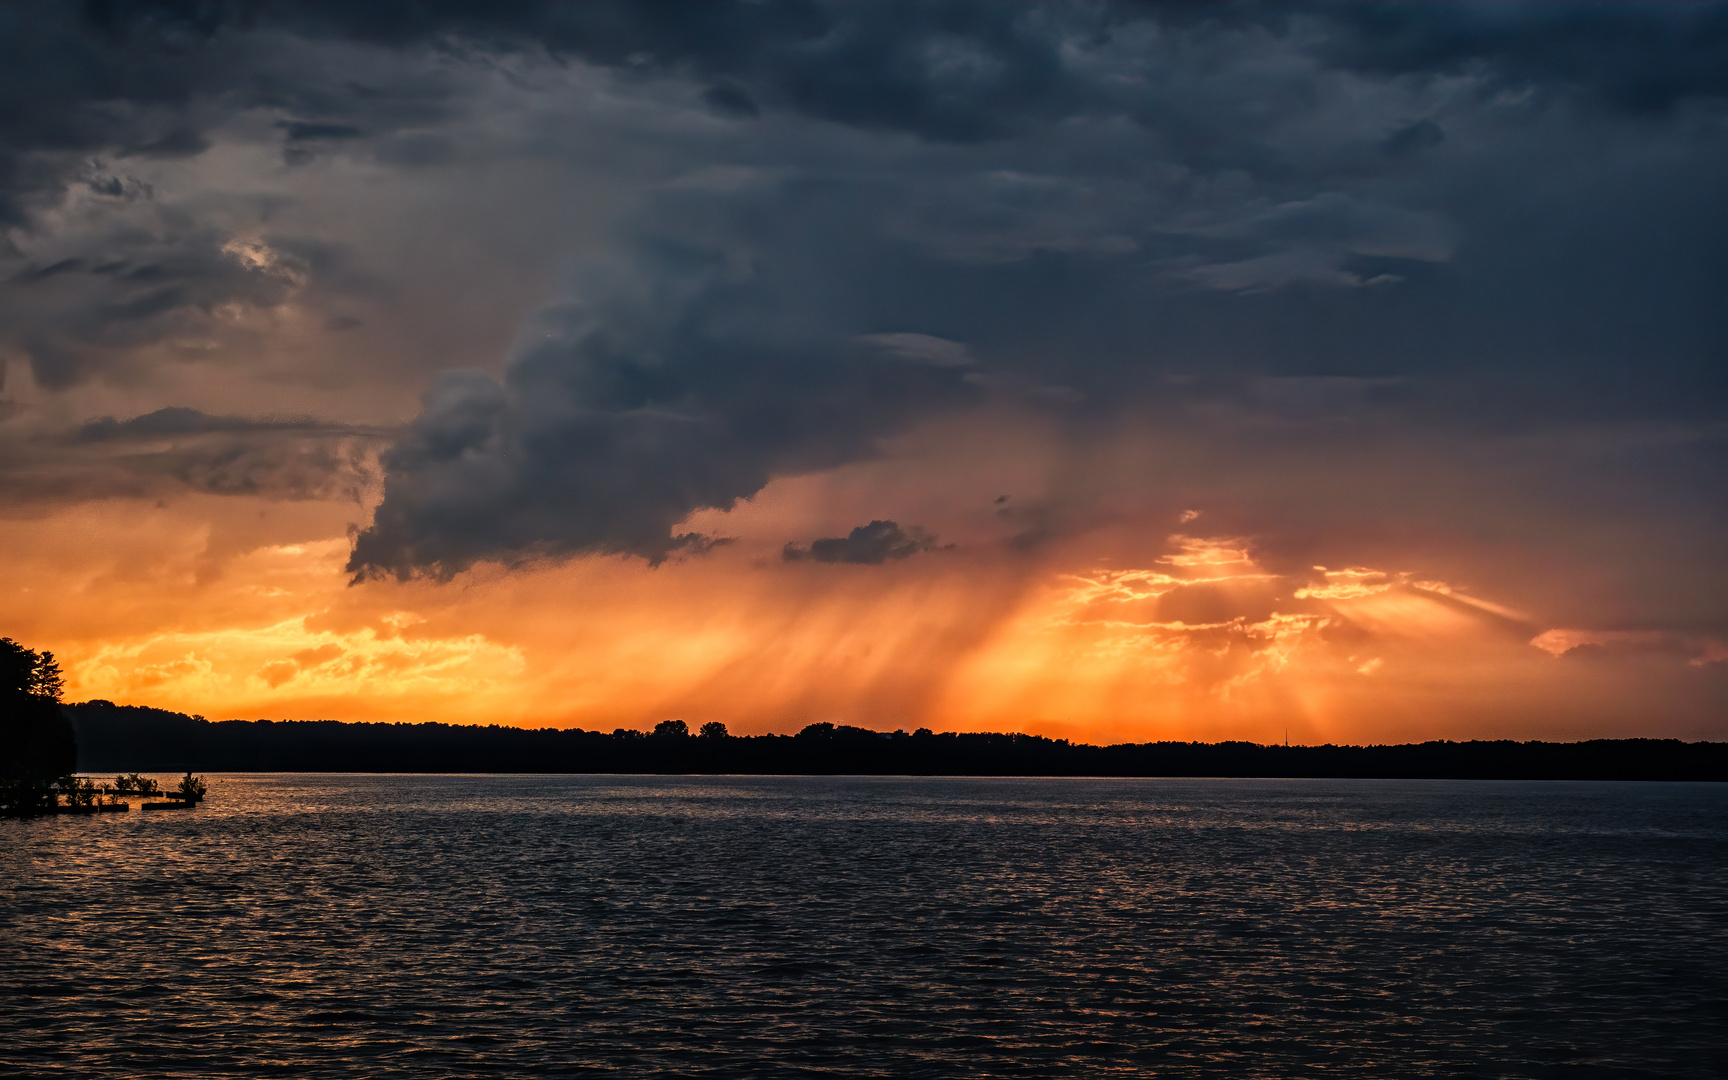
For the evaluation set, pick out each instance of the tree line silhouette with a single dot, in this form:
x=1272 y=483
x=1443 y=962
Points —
x=135 y=737
x=37 y=744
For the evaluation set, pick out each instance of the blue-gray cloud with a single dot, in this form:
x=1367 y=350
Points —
x=869 y=545
x=630 y=410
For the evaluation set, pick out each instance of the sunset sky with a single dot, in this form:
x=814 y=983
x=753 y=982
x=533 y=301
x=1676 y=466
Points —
x=1355 y=372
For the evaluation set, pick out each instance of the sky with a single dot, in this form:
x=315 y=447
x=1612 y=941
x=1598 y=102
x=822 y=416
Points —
x=1350 y=372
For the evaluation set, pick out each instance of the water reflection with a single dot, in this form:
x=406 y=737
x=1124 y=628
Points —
x=437 y=926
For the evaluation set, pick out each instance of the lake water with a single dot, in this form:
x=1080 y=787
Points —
x=447 y=926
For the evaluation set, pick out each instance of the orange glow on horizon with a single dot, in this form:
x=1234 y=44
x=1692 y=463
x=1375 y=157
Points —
x=1203 y=642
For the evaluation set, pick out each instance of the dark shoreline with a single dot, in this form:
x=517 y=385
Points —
x=122 y=738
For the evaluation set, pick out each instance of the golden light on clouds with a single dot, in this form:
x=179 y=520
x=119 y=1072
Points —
x=202 y=607
x=250 y=665
x=1205 y=644
x=168 y=619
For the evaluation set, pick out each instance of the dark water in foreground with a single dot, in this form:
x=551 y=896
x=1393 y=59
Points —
x=366 y=926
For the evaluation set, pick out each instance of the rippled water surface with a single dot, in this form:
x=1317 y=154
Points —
x=377 y=926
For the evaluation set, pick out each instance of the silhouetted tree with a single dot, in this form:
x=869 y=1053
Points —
x=714 y=729
x=37 y=743
x=28 y=672
x=193 y=788
x=671 y=729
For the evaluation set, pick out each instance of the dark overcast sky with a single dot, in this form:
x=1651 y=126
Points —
x=1437 y=285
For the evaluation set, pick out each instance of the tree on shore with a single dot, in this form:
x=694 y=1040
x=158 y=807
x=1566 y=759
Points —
x=37 y=743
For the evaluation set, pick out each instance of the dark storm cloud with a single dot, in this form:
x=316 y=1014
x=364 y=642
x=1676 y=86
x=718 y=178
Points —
x=974 y=69
x=869 y=545
x=1415 y=137
x=1510 y=212
x=977 y=69
x=179 y=143
x=300 y=131
x=1246 y=227
x=728 y=100
x=627 y=416
x=1635 y=56
x=959 y=71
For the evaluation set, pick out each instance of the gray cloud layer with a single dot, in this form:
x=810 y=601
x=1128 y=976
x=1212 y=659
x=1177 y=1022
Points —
x=844 y=218
x=628 y=413
x=179 y=449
